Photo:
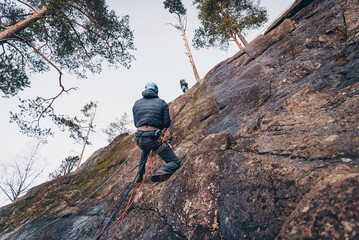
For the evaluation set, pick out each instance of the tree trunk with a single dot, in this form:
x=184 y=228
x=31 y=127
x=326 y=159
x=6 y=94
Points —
x=230 y=25
x=238 y=44
x=243 y=40
x=11 y=31
x=189 y=51
x=87 y=135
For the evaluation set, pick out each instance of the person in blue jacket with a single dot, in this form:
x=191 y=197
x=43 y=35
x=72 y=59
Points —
x=151 y=116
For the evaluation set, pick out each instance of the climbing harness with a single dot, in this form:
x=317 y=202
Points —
x=103 y=184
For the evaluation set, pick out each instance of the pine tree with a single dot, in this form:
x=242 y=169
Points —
x=224 y=20
x=117 y=127
x=176 y=7
x=66 y=35
x=67 y=165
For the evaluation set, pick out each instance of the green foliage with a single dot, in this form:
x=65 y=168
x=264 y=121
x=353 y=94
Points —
x=89 y=109
x=223 y=20
x=175 y=6
x=117 y=127
x=66 y=167
x=10 y=70
x=38 y=108
x=73 y=36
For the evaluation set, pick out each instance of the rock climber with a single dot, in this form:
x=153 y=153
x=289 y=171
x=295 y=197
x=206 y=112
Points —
x=184 y=85
x=151 y=116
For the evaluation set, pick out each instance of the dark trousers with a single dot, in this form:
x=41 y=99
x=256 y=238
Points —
x=148 y=143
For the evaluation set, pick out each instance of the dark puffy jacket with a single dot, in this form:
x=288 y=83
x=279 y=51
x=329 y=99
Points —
x=151 y=111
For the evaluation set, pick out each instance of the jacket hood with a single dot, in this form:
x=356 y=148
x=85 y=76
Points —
x=149 y=93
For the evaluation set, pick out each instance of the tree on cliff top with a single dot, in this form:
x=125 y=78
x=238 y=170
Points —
x=66 y=35
x=224 y=20
x=117 y=127
x=176 y=7
x=67 y=165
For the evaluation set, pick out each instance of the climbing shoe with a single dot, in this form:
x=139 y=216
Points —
x=160 y=177
x=139 y=178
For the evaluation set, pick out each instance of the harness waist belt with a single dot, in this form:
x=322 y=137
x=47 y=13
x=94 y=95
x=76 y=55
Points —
x=147 y=128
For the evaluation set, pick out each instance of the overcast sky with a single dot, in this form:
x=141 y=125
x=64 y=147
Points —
x=160 y=58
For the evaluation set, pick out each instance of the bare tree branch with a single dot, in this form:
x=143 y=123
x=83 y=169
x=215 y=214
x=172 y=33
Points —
x=11 y=185
x=84 y=27
x=22 y=176
x=10 y=39
x=42 y=55
x=3 y=50
x=45 y=28
x=88 y=16
x=4 y=191
x=78 y=37
x=23 y=56
x=29 y=174
x=28 y=5
x=60 y=83
x=18 y=16
x=85 y=33
x=178 y=27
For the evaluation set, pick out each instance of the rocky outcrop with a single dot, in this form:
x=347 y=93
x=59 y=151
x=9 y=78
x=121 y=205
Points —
x=268 y=141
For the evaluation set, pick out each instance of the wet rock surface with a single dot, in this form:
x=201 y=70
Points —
x=268 y=142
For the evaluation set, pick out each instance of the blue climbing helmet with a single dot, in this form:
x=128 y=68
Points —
x=152 y=85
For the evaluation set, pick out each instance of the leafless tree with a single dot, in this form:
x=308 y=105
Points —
x=19 y=176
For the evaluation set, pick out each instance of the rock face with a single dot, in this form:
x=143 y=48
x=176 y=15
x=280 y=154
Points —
x=268 y=141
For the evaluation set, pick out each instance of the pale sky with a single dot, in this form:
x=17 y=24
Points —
x=160 y=58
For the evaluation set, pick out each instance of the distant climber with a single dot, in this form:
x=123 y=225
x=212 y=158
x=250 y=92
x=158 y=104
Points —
x=184 y=85
x=151 y=116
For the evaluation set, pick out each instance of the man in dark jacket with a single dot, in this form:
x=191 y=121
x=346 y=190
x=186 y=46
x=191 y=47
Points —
x=151 y=115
